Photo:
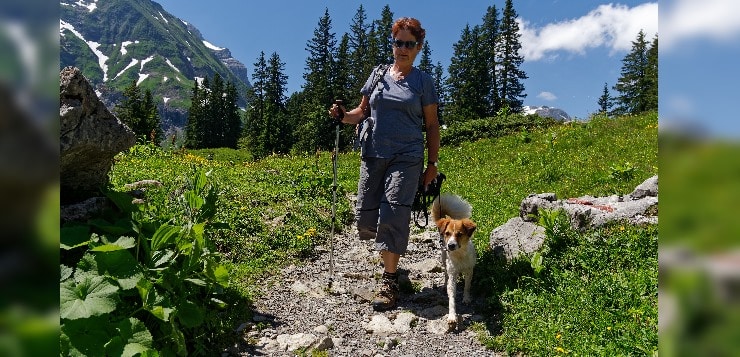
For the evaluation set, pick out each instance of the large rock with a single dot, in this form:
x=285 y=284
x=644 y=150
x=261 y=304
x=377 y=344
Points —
x=90 y=136
x=521 y=235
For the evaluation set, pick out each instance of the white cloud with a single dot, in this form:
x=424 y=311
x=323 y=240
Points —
x=613 y=26
x=548 y=96
x=682 y=20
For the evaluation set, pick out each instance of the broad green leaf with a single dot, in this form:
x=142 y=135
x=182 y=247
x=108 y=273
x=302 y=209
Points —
x=179 y=338
x=194 y=201
x=85 y=337
x=73 y=237
x=120 y=265
x=93 y=296
x=190 y=314
x=198 y=282
x=197 y=233
x=164 y=236
x=200 y=180
x=161 y=257
x=133 y=339
x=65 y=272
x=218 y=273
x=123 y=200
x=161 y=312
x=220 y=303
x=121 y=227
x=146 y=292
x=121 y=243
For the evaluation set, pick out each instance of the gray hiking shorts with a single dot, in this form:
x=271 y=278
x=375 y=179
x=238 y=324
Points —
x=385 y=194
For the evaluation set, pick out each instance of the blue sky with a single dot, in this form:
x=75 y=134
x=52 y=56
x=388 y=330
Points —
x=567 y=72
x=571 y=48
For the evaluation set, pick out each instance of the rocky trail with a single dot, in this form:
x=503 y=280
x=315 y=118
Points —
x=298 y=312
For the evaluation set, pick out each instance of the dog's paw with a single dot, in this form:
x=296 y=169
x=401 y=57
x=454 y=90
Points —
x=451 y=323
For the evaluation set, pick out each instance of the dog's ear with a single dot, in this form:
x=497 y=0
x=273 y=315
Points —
x=469 y=226
x=442 y=223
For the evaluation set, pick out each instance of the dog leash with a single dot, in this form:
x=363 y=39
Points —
x=424 y=198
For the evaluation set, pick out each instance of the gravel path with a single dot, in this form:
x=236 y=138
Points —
x=298 y=312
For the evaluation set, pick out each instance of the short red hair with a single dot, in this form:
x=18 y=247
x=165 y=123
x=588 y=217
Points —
x=412 y=25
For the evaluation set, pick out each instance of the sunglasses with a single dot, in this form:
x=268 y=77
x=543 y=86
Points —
x=401 y=44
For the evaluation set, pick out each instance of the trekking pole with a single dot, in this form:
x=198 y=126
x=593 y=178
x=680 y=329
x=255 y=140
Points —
x=339 y=117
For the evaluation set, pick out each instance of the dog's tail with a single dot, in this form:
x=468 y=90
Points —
x=451 y=205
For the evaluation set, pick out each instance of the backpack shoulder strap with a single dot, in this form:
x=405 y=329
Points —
x=378 y=74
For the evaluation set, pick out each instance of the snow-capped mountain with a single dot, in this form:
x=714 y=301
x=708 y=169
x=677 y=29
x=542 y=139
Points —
x=546 y=112
x=117 y=42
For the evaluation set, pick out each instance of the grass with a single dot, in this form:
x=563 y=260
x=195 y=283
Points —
x=597 y=293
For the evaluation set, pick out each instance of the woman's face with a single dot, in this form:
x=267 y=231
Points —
x=402 y=55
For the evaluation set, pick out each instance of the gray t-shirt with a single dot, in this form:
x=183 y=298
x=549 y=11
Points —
x=396 y=116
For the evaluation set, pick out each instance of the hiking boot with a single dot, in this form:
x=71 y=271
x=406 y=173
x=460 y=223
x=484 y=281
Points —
x=387 y=294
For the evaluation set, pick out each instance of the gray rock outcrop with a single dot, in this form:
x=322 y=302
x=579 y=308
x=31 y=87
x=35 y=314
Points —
x=90 y=136
x=522 y=235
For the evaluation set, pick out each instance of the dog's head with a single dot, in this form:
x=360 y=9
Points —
x=456 y=233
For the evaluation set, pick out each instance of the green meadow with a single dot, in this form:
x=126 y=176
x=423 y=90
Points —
x=201 y=244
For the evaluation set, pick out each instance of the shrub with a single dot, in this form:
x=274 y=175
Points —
x=140 y=280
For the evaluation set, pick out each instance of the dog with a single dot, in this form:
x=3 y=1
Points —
x=452 y=215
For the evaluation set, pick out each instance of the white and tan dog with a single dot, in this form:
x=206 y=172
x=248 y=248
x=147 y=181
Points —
x=452 y=216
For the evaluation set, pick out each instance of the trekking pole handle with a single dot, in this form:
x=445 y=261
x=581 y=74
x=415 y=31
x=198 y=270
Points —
x=339 y=103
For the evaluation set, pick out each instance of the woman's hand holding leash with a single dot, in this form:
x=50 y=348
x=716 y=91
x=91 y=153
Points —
x=429 y=175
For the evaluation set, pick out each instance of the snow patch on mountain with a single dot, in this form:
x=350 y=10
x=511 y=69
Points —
x=102 y=58
x=142 y=77
x=212 y=46
x=163 y=18
x=91 y=6
x=172 y=65
x=144 y=61
x=124 y=44
x=133 y=63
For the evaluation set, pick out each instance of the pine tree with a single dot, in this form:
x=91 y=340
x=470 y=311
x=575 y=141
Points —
x=193 y=131
x=342 y=81
x=651 y=76
x=425 y=62
x=256 y=126
x=215 y=114
x=489 y=38
x=129 y=110
x=605 y=101
x=320 y=62
x=233 y=118
x=361 y=62
x=383 y=35
x=152 y=121
x=278 y=129
x=139 y=112
x=316 y=129
x=439 y=84
x=466 y=80
x=634 y=85
x=509 y=75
